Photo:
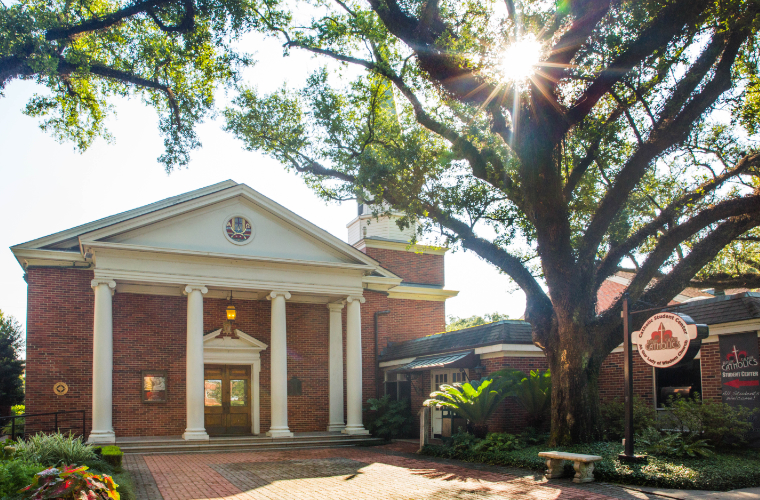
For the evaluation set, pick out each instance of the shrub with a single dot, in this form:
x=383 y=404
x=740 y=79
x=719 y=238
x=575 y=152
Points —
x=15 y=474
x=498 y=441
x=70 y=483
x=723 y=471
x=613 y=418
x=474 y=401
x=112 y=455
x=674 y=445
x=389 y=419
x=532 y=436
x=462 y=442
x=54 y=449
x=717 y=423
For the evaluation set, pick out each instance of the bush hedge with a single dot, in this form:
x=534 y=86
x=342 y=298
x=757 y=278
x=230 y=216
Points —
x=112 y=455
x=16 y=474
x=722 y=471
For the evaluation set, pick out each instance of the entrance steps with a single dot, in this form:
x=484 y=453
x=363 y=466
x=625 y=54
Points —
x=301 y=440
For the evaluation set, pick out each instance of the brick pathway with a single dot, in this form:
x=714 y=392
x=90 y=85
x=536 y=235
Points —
x=343 y=474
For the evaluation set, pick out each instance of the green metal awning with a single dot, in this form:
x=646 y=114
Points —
x=465 y=359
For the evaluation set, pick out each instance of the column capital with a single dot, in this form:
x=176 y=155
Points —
x=336 y=306
x=103 y=281
x=278 y=293
x=356 y=298
x=192 y=288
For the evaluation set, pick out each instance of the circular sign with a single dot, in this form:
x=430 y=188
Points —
x=664 y=339
x=60 y=388
x=238 y=229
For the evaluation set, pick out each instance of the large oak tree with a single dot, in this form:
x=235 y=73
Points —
x=631 y=141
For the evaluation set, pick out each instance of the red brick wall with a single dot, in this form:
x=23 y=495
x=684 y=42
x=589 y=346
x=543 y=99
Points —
x=413 y=267
x=611 y=378
x=150 y=333
x=407 y=320
x=59 y=342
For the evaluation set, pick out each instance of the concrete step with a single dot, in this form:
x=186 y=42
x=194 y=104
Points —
x=146 y=447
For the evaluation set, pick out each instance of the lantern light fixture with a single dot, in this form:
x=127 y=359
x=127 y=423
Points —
x=231 y=312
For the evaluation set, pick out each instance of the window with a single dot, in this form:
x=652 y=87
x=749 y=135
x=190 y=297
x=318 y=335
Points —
x=457 y=377
x=684 y=379
x=441 y=378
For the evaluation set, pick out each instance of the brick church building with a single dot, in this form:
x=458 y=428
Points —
x=221 y=312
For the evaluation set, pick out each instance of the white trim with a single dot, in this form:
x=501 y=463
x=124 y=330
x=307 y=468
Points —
x=31 y=257
x=507 y=347
x=421 y=293
x=397 y=362
x=228 y=283
x=398 y=245
x=277 y=261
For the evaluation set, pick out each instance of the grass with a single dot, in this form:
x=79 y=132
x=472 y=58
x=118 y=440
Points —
x=722 y=472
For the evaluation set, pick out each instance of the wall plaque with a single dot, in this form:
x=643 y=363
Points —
x=60 y=388
x=739 y=371
x=154 y=384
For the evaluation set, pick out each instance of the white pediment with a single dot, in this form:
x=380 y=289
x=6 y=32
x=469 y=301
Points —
x=244 y=349
x=203 y=230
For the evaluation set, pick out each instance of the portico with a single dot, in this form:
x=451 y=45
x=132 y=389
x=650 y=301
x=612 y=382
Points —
x=165 y=360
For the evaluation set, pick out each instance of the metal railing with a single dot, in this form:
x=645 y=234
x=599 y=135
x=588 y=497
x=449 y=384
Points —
x=36 y=426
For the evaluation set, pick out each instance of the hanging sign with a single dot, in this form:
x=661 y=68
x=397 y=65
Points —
x=739 y=371
x=669 y=338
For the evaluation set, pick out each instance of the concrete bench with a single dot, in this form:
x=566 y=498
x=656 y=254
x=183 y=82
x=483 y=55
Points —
x=583 y=465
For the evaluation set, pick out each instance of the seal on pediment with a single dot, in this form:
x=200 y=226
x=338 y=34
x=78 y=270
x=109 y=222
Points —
x=238 y=229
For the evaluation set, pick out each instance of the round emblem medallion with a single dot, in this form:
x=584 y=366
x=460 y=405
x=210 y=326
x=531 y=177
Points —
x=239 y=229
x=60 y=388
x=663 y=340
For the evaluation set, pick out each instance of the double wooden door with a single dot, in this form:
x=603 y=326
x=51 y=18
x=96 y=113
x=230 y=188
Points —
x=227 y=399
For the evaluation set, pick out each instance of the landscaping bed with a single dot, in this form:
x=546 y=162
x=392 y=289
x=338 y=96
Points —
x=72 y=459
x=722 y=471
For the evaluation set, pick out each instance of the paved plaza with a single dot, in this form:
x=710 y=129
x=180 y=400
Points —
x=388 y=472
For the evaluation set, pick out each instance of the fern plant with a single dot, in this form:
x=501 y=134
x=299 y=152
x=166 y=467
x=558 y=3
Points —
x=674 y=445
x=474 y=401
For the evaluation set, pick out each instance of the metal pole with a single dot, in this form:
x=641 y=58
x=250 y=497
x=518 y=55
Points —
x=628 y=373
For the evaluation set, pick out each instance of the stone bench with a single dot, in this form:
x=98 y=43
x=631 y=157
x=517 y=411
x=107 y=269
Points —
x=583 y=465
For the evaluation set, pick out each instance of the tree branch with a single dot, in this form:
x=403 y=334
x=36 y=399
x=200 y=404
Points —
x=668 y=132
x=103 y=22
x=725 y=280
x=666 y=26
x=671 y=212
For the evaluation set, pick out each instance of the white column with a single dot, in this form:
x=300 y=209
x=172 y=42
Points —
x=255 y=375
x=278 y=427
x=194 y=372
x=102 y=363
x=337 y=421
x=354 y=424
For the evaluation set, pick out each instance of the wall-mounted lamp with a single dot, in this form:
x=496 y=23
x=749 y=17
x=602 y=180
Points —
x=479 y=370
x=231 y=312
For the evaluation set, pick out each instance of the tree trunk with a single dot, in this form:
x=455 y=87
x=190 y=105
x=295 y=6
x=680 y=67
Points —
x=575 y=391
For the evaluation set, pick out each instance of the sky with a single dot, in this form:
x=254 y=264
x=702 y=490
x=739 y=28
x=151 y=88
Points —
x=46 y=187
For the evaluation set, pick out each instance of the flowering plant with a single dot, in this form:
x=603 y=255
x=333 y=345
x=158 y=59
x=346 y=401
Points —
x=70 y=483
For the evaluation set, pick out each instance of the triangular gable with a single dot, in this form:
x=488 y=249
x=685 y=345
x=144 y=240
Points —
x=195 y=222
x=244 y=341
x=69 y=238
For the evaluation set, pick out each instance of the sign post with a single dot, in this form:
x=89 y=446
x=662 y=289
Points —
x=664 y=340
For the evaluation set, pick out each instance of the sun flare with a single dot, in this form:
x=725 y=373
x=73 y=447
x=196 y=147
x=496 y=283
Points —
x=520 y=59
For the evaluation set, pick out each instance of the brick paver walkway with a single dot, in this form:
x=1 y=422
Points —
x=342 y=474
